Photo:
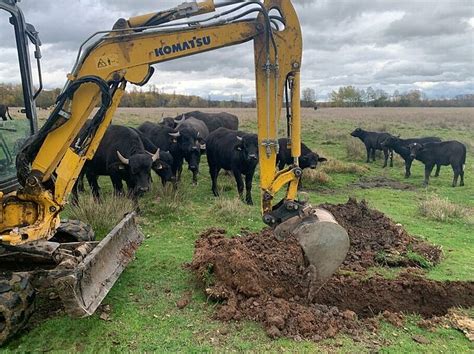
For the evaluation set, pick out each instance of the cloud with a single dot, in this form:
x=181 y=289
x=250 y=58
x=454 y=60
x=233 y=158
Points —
x=390 y=45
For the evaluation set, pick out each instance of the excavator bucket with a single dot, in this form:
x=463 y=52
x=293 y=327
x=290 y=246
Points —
x=84 y=289
x=325 y=243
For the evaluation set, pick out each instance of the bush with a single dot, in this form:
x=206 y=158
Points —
x=439 y=209
x=101 y=215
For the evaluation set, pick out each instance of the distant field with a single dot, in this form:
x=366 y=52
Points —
x=144 y=316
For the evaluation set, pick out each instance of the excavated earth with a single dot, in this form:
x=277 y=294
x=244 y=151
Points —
x=259 y=278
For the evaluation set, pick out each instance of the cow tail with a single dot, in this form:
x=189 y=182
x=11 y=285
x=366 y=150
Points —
x=8 y=114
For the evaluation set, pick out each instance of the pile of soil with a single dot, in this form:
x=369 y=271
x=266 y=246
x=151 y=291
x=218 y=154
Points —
x=376 y=239
x=259 y=278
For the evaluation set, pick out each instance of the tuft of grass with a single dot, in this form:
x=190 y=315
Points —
x=101 y=215
x=314 y=178
x=170 y=198
x=336 y=166
x=355 y=149
x=418 y=259
x=440 y=209
x=231 y=210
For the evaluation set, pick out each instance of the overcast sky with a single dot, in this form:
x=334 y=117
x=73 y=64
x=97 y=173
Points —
x=387 y=44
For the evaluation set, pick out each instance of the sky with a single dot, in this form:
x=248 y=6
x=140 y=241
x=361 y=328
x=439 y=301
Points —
x=386 y=44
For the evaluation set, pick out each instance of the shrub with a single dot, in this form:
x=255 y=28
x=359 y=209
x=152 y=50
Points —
x=101 y=215
x=439 y=209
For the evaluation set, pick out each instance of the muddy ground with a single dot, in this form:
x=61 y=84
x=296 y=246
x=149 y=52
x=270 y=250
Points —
x=382 y=182
x=259 y=278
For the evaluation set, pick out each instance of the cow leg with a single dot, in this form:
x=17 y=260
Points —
x=92 y=180
x=240 y=183
x=118 y=186
x=461 y=173
x=428 y=170
x=248 y=188
x=75 y=194
x=385 y=157
x=214 y=172
x=438 y=168
x=195 y=174
x=457 y=172
x=391 y=157
x=373 y=154
x=408 y=163
x=80 y=183
x=368 y=153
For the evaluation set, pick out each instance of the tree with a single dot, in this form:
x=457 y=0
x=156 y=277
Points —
x=346 y=96
x=309 y=97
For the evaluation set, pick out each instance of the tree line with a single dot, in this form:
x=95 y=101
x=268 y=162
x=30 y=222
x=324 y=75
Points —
x=12 y=96
x=346 y=96
x=351 y=96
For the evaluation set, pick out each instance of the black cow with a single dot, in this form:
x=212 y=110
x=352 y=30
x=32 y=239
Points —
x=122 y=156
x=182 y=144
x=308 y=158
x=198 y=125
x=445 y=153
x=168 y=122
x=213 y=121
x=163 y=167
x=4 y=113
x=401 y=147
x=189 y=149
x=373 y=141
x=234 y=151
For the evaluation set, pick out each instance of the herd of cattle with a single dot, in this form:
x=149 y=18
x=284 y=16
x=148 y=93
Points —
x=129 y=154
x=430 y=151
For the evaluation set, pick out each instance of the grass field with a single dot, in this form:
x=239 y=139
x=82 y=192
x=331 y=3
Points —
x=143 y=313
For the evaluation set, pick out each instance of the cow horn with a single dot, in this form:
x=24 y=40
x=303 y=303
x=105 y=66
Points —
x=174 y=135
x=122 y=159
x=179 y=121
x=198 y=134
x=239 y=138
x=156 y=155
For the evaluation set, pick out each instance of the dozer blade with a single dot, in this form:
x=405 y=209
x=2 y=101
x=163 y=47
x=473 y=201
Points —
x=324 y=242
x=83 y=290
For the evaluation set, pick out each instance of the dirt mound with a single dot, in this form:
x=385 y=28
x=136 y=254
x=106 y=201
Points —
x=259 y=278
x=382 y=182
x=376 y=239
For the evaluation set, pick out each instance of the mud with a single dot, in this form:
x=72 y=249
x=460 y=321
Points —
x=382 y=182
x=259 y=278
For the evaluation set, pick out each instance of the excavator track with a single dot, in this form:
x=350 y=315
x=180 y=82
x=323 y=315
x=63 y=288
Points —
x=17 y=298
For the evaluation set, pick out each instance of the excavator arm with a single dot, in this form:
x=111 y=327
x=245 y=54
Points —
x=50 y=163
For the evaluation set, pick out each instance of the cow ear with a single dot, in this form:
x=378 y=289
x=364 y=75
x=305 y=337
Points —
x=322 y=159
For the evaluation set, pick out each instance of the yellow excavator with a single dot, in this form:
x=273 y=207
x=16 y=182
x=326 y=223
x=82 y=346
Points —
x=37 y=249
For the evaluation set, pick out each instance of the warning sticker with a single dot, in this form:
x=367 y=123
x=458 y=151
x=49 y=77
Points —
x=108 y=60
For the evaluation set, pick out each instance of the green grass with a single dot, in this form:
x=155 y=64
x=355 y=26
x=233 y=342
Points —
x=144 y=315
